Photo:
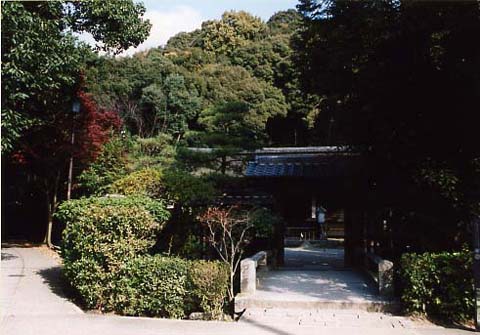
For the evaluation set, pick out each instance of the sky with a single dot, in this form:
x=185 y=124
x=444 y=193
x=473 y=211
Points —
x=169 y=17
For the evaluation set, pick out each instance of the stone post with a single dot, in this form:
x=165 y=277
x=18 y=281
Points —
x=248 y=276
x=385 y=278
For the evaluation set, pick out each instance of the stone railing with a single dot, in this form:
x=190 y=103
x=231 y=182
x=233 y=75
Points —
x=248 y=272
x=381 y=271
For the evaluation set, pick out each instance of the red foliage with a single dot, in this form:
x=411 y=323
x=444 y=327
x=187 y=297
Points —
x=47 y=147
x=93 y=128
x=41 y=161
x=19 y=158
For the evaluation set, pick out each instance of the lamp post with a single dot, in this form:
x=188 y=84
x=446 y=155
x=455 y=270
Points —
x=75 y=110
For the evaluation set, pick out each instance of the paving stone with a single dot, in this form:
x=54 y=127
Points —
x=314 y=290
x=33 y=304
x=328 y=318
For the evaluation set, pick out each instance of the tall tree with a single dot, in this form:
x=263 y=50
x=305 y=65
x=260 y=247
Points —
x=233 y=30
x=41 y=58
x=45 y=151
x=221 y=83
x=284 y=22
x=401 y=79
x=218 y=76
x=41 y=72
x=228 y=130
x=170 y=106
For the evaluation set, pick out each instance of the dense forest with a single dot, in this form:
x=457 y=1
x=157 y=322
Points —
x=133 y=167
x=396 y=80
x=237 y=69
x=400 y=79
x=229 y=85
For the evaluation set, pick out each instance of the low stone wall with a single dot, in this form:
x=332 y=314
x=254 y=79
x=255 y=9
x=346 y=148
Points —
x=248 y=272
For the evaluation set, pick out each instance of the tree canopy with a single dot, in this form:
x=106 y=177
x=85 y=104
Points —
x=42 y=65
x=400 y=79
x=42 y=59
x=233 y=30
x=397 y=79
x=236 y=59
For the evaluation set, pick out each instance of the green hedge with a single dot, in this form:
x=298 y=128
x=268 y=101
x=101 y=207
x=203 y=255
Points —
x=151 y=286
x=109 y=166
x=100 y=235
x=105 y=250
x=69 y=211
x=209 y=282
x=170 y=287
x=438 y=284
x=147 y=182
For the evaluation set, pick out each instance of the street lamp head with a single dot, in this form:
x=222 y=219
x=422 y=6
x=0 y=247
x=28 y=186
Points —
x=76 y=106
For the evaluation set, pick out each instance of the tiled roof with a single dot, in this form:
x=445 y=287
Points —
x=303 y=165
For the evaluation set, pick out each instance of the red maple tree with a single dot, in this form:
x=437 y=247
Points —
x=96 y=127
x=45 y=150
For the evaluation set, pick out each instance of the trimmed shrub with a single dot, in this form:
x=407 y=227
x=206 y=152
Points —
x=151 y=286
x=170 y=287
x=146 y=182
x=69 y=211
x=152 y=152
x=438 y=284
x=191 y=247
x=101 y=234
x=105 y=250
x=109 y=166
x=186 y=189
x=264 y=221
x=209 y=281
x=89 y=279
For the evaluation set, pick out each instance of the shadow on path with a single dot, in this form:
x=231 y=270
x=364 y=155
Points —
x=7 y=256
x=314 y=258
x=313 y=274
x=58 y=285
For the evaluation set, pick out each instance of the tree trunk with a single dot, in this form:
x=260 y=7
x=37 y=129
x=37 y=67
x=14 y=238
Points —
x=48 y=235
x=51 y=200
x=230 y=291
x=224 y=164
x=476 y=268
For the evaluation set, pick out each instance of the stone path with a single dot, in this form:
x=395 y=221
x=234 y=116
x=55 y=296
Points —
x=313 y=288
x=312 y=274
x=31 y=284
x=314 y=278
x=331 y=318
x=314 y=285
x=312 y=258
x=32 y=303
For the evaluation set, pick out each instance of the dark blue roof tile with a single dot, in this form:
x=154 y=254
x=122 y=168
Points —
x=302 y=165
